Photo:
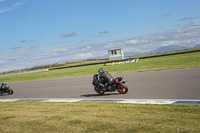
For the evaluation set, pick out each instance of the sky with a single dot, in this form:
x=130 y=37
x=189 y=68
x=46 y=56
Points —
x=41 y=32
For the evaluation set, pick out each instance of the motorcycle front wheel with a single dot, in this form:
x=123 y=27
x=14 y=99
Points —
x=99 y=92
x=10 y=91
x=123 y=88
x=1 y=92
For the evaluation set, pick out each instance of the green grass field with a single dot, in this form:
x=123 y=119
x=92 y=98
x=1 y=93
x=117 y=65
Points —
x=84 y=117
x=189 y=60
x=44 y=117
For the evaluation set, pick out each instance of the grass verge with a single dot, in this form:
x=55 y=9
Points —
x=86 y=117
x=188 y=60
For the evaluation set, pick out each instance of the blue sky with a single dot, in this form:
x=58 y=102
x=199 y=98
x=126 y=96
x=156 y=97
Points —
x=40 y=32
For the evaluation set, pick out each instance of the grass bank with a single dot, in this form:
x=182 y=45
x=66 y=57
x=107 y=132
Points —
x=86 y=117
x=188 y=60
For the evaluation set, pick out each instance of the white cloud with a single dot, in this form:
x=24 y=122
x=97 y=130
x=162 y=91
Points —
x=132 y=41
x=188 y=18
x=8 y=8
x=26 y=58
x=104 y=32
x=65 y=35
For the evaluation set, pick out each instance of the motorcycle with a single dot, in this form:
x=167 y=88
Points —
x=5 y=89
x=117 y=85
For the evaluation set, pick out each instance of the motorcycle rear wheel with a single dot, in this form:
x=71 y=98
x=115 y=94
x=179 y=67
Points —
x=123 y=88
x=99 y=92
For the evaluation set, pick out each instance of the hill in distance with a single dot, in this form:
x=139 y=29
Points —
x=163 y=49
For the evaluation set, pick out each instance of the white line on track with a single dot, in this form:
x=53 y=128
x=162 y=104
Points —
x=134 y=101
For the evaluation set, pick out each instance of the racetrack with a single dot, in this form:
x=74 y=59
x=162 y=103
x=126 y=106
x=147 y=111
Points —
x=166 y=84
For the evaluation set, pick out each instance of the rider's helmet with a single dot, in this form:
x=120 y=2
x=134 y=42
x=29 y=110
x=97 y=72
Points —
x=100 y=70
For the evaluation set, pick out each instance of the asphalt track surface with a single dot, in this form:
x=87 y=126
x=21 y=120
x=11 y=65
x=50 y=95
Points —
x=166 y=84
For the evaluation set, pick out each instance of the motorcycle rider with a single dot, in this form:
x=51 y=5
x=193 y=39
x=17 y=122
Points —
x=1 y=86
x=5 y=89
x=105 y=79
